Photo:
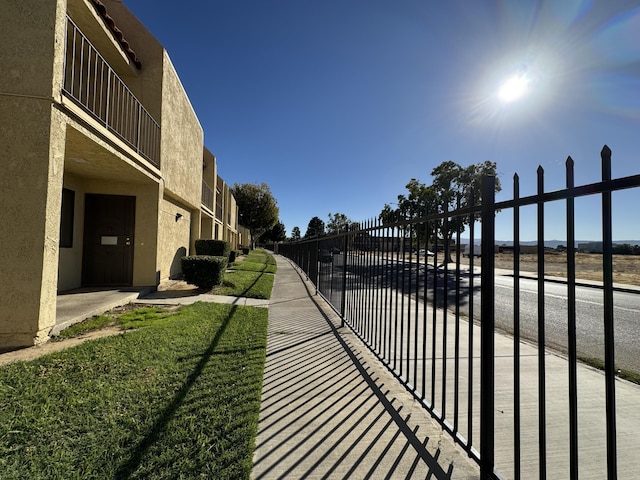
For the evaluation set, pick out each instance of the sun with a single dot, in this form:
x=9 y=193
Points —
x=513 y=88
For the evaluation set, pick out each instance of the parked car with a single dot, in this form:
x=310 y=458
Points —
x=422 y=252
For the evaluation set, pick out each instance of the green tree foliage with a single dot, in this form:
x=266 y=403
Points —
x=277 y=233
x=295 y=233
x=258 y=209
x=338 y=222
x=451 y=184
x=315 y=228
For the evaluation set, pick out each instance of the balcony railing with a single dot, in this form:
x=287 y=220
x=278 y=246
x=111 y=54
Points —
x=207 y=196
x=91 y=83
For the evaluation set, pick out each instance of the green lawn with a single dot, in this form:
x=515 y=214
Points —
x=177 y=398
x=256 y=261
x=251 y=277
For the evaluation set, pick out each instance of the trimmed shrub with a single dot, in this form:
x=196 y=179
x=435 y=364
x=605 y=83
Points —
x=245 y=251
x=204 y=271
x=232 y=256
x=216 y=248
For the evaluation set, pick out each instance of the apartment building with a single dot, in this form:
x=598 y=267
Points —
x=106 y=182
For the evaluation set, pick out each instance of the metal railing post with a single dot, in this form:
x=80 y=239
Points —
x=609 y=344
x=487 y=319
x=343 y=301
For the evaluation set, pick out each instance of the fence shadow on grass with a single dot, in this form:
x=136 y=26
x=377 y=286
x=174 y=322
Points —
x=164 y=417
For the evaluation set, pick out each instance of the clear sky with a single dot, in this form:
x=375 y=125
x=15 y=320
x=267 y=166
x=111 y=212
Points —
x=337 y=104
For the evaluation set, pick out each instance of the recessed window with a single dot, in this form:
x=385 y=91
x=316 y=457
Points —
x=66 y=218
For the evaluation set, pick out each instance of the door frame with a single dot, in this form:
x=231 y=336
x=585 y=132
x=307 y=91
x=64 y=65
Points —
x=98 y=239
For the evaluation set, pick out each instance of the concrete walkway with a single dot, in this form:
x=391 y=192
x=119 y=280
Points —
x=330 y=410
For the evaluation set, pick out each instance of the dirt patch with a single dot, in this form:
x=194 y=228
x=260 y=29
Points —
x=173 y=285
x=626 y=268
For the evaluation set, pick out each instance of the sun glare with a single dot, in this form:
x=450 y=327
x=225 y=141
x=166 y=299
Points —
x=513 y=89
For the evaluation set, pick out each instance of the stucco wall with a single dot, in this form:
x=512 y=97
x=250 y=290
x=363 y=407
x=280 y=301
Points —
x=182 y=141
x=174 y=237
x=32 y=152
x=30 y=34
x=30 y=190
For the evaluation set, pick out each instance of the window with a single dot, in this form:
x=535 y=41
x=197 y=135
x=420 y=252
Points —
x=66 y=218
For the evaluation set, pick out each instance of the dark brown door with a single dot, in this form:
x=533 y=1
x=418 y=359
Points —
x=107 y=258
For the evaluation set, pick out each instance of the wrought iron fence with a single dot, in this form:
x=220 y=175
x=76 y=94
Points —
x=421 y=319
x=92 y=84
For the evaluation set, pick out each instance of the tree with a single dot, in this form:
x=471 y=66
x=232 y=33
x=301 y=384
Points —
x=337 y=223
x=315 y=228
x=276 y=233
x=450 y=182
x=258 y=209
x=295 y=233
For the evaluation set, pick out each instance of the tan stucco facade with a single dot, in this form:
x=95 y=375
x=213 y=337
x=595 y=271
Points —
x=57 y=141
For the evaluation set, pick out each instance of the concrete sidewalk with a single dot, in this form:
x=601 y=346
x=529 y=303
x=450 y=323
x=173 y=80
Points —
x=331 y=410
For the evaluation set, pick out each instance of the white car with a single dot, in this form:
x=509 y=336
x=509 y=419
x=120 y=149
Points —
x=422 y=252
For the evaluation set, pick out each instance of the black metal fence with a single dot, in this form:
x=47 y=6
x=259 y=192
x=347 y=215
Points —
x=421 y=318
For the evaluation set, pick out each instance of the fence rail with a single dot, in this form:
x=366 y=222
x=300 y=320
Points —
x=407 y=310
x=91 y=83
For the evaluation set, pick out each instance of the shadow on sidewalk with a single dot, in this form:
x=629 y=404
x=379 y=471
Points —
x=327 y=413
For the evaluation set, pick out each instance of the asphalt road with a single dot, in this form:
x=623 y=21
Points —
x=589 y=316
x=589 y=310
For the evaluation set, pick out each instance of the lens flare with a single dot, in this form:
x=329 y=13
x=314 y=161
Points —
x=513 y=89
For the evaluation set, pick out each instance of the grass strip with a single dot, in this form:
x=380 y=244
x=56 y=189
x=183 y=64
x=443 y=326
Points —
x=256 y=261
x=254 y=267
x=252 y=277
x=240 y=283
x=178 y=398
x=620 y=372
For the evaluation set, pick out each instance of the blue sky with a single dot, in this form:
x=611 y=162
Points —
x=337 y=104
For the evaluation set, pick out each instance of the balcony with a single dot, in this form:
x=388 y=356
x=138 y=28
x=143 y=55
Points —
x=93 y=85
x=207 y=196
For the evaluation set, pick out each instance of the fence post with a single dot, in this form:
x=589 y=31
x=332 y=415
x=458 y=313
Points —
x=313 y=262
x=609 y=343
x=487 y=323
x=344 y=275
